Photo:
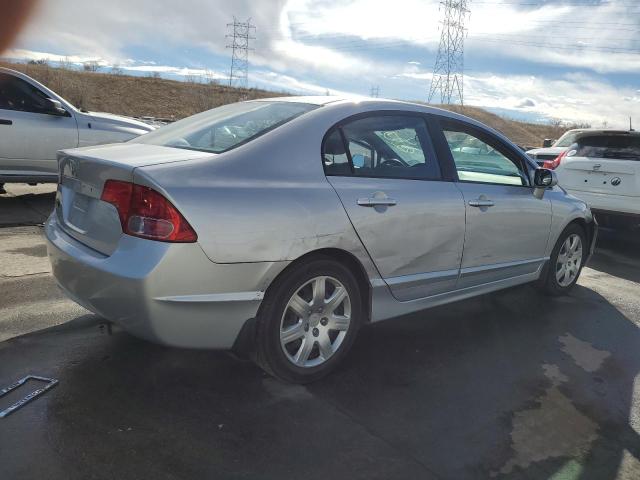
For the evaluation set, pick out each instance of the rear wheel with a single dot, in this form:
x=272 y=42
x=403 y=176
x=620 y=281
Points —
x=309 y=320
x=566 y=261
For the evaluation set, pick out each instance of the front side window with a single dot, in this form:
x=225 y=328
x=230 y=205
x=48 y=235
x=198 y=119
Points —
x=480 y=159
x=21 y=96
x=388 y=146
x=225 y=127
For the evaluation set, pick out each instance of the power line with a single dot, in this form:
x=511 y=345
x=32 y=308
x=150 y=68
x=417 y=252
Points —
x=561 y=46
x=239 y=74
x=448 y=72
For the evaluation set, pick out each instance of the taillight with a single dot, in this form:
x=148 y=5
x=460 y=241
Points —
x=145 y=213
x=553 y=164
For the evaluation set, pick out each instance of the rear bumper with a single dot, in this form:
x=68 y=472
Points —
x=167 y=293
x=608 y=203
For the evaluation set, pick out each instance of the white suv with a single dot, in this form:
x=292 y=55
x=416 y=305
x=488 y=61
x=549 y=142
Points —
x=541 y=155
x=35 y=123
x=603 y=169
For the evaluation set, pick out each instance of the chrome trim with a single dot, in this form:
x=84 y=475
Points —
x=500 y=266
x=420 y=285
x=374 y=202
x=481 y=203
x=215 y=297
x=419 y=278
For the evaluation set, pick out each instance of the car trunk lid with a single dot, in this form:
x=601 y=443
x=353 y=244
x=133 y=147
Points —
x=82 y=174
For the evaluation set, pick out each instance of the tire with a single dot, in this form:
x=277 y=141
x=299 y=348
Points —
x=552 y=281
x=301 y=348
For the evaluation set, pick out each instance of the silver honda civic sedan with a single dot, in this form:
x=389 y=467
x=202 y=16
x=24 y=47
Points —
x=282 y=226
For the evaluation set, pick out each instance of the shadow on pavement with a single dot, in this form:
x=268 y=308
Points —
x=510 y=385
x=618 y=254
x=26 y=205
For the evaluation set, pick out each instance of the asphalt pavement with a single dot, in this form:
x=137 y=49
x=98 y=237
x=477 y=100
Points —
x=513 y=385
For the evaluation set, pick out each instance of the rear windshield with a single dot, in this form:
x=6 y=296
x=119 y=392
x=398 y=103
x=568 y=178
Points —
x=225 y=127
x=625 y=147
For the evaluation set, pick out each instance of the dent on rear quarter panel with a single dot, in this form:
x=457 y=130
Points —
x=266 y=201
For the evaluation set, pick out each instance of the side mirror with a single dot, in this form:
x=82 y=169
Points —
x=547 y=143
x=543 y=179
x=54 y=107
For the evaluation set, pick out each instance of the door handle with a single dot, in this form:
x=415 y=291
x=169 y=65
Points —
x=5 y=122
x=481 y=203
x=376 y=202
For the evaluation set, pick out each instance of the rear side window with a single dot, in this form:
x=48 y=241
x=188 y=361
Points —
x=225 y=127
x=624 y=147
x=386 y=146
x=21 y=96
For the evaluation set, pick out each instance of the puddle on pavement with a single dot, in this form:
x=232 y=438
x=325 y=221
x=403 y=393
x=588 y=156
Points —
x=553 y=429
x=583 y=353
x=39 y=251
x=281 y=391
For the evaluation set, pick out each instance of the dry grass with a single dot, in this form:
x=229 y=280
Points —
x=522 y=133
x=157 y=97
x=135 y=96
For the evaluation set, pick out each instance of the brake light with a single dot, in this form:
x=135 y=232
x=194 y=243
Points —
x=553 y=164
x=145 y=213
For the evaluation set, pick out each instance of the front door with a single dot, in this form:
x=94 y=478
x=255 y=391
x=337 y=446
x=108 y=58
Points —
x=29 y=137
x=385 y=171
x=507 y=226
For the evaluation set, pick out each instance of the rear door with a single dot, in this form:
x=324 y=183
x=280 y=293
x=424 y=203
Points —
x=603 y=164
x=507 y=226
x=29 y=137
x=385 y=171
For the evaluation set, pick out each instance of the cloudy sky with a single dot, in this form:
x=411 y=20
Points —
x=575 y=60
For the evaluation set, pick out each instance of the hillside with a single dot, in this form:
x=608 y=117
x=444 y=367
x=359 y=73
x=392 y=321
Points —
x=161 y=98
x=522 y=133
x=135 y=96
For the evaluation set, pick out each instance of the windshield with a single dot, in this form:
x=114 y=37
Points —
x=624 y=147
x=225 y=127
x=567 y=139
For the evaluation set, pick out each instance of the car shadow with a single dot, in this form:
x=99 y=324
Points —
x=508 y=385
x=618 y=254
x=23 y=206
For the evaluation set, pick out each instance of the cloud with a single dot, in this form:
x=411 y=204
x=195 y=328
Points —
x=600 y=37
x=572 y=97
x=527 y=102
x=311 y=45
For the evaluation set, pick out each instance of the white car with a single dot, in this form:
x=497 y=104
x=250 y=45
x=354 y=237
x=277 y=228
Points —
x=541 y=155
x=603 y=169
x=35 y=123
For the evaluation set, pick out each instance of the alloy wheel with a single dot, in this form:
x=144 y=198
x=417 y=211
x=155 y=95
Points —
x=315 y=321
x=569 y=260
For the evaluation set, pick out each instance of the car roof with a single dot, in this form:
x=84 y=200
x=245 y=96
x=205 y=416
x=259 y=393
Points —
x=374 y=103
x=14 y=72
x=604 y=133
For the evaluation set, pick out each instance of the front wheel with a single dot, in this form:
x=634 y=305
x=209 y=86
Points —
x=309 y=321
x=566 y=262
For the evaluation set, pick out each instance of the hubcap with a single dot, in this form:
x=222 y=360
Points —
x=315 y=321
x=569 y=260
